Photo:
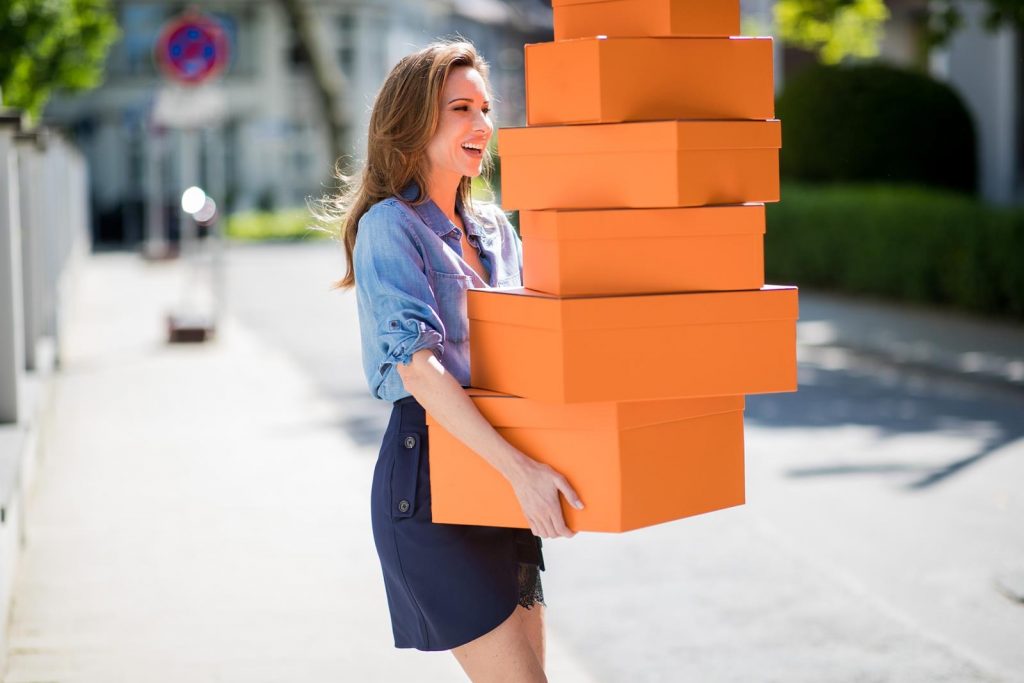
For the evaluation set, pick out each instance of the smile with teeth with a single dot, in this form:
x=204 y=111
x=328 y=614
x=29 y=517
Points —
x=473 y=149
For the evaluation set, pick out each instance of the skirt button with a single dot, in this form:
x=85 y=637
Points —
x=410 y=441
x=403 y=506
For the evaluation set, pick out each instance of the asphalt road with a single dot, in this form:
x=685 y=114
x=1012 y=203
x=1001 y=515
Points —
x=883 y=513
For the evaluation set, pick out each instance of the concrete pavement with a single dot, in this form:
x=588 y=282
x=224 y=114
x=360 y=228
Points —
x=199 y=516
x=204 y=515
x=931 y=338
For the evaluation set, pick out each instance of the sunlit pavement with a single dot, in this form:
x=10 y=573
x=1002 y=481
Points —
x=203 y=514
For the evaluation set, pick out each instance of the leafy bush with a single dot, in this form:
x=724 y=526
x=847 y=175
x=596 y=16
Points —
x=905 y=242
x=289 y=224
x=875 y=123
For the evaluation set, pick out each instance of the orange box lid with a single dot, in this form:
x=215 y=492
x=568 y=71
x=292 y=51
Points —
x=575 y=18
x=530 y=308
x=646 y=136
x=601 y=79
x=505 y=410
x=585 y=224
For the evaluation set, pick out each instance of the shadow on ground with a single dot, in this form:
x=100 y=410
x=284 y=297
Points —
x=845 y=390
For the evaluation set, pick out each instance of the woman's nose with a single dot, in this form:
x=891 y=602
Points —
x=482 y=123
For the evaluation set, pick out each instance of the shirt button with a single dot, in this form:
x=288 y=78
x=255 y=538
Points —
x=403 y=506
x=410 y=441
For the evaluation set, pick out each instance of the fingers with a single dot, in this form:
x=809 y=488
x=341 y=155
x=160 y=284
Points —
x=544 y=510
x=569 y=492
x=551 y=526
x=556 y=520
x=541 y=528
x=561 y=529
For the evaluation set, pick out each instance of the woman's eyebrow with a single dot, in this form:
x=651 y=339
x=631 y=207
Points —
x=468 y=99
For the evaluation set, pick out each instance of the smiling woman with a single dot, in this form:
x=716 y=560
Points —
x=415 y=242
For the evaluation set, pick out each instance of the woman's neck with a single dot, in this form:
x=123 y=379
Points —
x=443 y=191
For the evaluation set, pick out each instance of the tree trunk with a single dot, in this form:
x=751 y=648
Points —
x=330 y=83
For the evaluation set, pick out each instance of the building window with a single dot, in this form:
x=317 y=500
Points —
x=239 y=27
x=346 y=32
x=140 y=25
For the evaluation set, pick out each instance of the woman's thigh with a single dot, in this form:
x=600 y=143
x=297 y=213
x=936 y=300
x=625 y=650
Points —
x=533 y=625
x=507 y=653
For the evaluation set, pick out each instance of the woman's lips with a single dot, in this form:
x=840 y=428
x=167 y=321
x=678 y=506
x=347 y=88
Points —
x=475 y=153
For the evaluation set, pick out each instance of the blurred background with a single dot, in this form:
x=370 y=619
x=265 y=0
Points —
x=186 y=437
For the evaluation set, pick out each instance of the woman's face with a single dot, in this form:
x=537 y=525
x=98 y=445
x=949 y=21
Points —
x=464 y=125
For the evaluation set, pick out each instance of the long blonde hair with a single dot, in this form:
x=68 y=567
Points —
x=404 y=119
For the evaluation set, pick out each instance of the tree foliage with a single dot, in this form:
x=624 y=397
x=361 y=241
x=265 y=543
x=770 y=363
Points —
x=839 y=29
x=835 y=29
x=946 y=17
x=52 y=44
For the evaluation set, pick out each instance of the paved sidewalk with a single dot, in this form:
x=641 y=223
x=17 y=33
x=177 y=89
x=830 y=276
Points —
x=943 y=340
x=200 y=516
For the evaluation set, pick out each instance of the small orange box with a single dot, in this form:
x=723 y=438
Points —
x=633 y=464
x=640 y=165
x=585 y=18
x=626 y=348
x=600 y=80
x=643 y=251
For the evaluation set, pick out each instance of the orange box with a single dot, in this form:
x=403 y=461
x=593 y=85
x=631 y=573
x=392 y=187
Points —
x=584 y=18
x=633 y=464
x=640 y=165
x=605 y=80
x=625 y=348
x=643 y=251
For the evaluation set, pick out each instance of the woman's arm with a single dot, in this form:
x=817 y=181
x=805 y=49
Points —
x=536 y=485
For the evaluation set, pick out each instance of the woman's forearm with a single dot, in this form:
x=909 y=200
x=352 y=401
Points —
x=447 y=402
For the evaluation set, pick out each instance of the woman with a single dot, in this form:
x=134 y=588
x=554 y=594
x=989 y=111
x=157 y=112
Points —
x=414 y=243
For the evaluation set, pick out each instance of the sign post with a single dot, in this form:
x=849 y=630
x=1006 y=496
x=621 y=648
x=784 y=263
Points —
x=192 y=50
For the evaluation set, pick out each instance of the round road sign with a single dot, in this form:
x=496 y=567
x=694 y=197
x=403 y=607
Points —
x=192 y=48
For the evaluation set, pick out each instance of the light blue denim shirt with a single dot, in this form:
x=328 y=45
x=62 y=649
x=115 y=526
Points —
x=411 y=283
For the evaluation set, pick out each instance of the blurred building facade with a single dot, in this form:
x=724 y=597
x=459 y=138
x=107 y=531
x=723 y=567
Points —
x=985 y=68
x=268 y=148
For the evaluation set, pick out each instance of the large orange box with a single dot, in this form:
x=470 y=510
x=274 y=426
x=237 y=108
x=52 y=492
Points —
x=603 y=80
x=639 y=165
x=583 y=18
x=643 y=251
x=622 y=348
x=633 y=464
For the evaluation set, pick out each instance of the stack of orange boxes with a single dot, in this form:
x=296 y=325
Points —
x=640 y=178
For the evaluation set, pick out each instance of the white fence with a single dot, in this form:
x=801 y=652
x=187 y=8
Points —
x=43 y=234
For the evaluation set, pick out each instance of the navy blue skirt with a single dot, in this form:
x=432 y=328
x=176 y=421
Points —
x=447 y=584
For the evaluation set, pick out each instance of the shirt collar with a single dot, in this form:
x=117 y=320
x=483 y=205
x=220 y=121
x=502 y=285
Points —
x=431 y=214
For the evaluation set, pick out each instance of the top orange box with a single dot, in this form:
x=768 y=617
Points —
x=605 y=80
x=644 y=18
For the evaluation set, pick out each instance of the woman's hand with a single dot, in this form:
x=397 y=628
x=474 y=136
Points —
x=536 y=486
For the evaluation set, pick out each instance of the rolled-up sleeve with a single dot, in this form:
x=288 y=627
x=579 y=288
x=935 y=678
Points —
x=397 y=309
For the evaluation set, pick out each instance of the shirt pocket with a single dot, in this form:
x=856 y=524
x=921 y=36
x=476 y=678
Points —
x=450 y=294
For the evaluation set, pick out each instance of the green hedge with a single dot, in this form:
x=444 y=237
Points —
x=875 y=123
x=288 y=224
x=903 y=242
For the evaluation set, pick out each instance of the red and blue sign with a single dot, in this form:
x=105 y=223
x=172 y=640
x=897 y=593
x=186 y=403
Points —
x=192 y=48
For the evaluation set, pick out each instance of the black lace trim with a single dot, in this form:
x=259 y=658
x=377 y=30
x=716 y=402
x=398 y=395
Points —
x=530 y=590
